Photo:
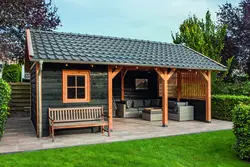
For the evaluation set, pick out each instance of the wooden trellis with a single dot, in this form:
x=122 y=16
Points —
x=192 y=85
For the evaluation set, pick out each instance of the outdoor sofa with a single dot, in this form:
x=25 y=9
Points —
x=133 y=108
x=179 y=111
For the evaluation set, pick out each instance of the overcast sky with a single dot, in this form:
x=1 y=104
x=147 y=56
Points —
x=140 y=19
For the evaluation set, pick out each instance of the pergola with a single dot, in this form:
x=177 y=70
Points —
x=182 y=72
x=174 y=83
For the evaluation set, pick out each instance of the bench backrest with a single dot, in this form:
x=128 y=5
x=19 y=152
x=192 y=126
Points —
x=76 y=114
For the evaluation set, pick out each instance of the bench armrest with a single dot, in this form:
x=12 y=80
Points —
x=51 y=121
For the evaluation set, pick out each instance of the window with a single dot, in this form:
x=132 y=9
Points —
x=76 y=86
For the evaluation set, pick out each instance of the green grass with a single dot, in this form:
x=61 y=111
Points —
x=205 y=149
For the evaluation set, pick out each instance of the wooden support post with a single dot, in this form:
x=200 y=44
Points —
x=110 y=95
x=111 y=75
x=208 y=98
x=179 y=84
x=37 y=102
x=122 y=85
x=165 y=76
x=165 y=100
x=207 y=77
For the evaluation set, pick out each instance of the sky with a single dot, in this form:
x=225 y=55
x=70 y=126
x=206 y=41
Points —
x=140 y=19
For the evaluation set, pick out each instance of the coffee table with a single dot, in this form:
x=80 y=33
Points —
x=152 y=114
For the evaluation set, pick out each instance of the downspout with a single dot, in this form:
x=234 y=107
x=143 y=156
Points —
x=40 y=97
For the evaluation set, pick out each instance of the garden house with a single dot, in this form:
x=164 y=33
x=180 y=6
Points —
x=77 y=70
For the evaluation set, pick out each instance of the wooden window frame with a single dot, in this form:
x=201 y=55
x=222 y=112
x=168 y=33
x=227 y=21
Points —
x=65 y=74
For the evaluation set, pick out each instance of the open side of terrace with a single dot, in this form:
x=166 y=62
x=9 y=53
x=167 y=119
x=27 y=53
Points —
x=21 y=136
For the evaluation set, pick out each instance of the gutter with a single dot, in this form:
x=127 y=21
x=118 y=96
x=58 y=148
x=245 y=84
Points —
x=123 y=64
x=40 y=98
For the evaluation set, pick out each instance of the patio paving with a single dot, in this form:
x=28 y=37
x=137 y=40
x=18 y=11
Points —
x=20 y=135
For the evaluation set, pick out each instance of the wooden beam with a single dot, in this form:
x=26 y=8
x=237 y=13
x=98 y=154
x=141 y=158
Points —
x=139 y=68
x=115 y=72
x=171 y=73
x=208 y=98
x=165 y=99
x=204 y=75
x=179 y=84
x=160 y=73
x=110 y=96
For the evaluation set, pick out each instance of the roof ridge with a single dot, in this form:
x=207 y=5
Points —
x=203 y=55
x=103 y=36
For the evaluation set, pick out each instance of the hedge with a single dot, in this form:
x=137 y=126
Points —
x=241 y=129
x=12 y=73
x=222 y=105
x=5 y=95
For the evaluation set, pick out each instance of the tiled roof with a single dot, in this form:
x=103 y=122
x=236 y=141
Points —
x=67 y=47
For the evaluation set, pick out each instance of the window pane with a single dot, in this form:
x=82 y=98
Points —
x=80 y=80
x=71 y=81
x=80 y=93
x=71 y=93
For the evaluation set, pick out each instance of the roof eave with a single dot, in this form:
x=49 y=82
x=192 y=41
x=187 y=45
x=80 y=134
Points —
x=122 y=64
x=205 y=56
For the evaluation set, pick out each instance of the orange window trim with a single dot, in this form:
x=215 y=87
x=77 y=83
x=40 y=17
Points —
x=86 y=74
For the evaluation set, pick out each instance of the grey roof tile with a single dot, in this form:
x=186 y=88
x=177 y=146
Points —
x=48 y=45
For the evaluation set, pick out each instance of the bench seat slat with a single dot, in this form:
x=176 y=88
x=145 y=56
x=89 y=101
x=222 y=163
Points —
x=80 y=123
x=75 y=120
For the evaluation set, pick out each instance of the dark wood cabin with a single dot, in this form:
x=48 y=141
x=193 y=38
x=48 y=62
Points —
x=75 y=70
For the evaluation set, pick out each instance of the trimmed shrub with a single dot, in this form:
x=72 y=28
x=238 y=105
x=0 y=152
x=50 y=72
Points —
x=12 y=73
x=222 y=88
x=241 y=129
x=222 y=105
x=5 y=95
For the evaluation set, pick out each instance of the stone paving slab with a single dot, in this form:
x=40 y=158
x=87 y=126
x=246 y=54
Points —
x=20 y=135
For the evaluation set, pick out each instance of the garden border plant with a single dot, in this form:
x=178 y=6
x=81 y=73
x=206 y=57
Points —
x=222 y=105
x=5 y=96
x=241 y=129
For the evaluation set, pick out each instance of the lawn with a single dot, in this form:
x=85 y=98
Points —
x=205 y=149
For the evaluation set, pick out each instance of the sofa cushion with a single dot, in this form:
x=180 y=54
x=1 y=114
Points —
x=172 y=111
x=172 y=107
x=147 y=103
x=138 y=103
x=132 y=110
x=156 y=102
x=141 y=108
x=129 y=104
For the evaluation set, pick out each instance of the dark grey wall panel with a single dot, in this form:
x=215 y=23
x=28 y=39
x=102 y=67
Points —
x=52 y=88
x=129 y=85
x=33 y=95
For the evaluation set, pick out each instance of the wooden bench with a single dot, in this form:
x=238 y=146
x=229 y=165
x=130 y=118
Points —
x=65 y=118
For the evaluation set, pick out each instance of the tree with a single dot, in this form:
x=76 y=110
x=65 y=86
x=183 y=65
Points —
x=16 y=16
x=202 y=35
x=237 y=20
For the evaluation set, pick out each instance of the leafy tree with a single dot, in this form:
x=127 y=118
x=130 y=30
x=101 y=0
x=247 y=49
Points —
x=16 y=16
x=12 y=73
x=237 y=20
x=202 y=35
